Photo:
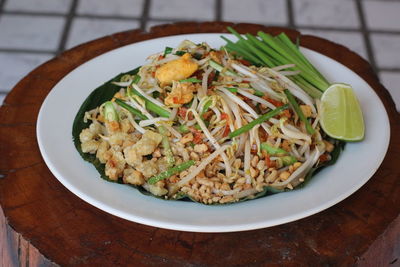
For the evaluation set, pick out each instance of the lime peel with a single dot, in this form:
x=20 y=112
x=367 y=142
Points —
x=341 y=115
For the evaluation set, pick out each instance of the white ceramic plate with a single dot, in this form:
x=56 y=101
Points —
x=355 y=166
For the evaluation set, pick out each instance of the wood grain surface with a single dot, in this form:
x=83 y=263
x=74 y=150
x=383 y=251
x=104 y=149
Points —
x=39 y=212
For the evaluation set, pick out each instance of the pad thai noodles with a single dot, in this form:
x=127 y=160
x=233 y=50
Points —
x=206 y=124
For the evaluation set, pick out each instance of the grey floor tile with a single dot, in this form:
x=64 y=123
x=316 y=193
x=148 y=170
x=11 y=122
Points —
x=386 y=48
x=188 y=9
x=352 y=40
x=14 y=66
x=328 y=13
x=84 y=29
x=60 y=6
x=382 y=15
x=256 y=11
x=114 y=8
x=30 y=32
x=391 y=81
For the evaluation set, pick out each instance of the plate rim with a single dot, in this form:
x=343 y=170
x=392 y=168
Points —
x=253 y=226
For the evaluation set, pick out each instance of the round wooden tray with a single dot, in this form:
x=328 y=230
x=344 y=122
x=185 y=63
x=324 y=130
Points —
x=39 y=212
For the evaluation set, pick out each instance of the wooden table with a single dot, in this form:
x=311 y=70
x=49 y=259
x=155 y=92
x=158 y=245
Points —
x=39 y=212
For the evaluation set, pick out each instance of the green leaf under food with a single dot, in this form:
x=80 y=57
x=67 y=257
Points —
x=100 y=95
x=106 y=92
x=339 y=147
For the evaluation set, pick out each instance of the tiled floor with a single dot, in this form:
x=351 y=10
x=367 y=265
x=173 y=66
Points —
x=33 y=31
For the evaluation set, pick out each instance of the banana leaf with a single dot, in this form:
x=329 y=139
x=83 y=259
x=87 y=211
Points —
x=100 y=95
x=106 y=91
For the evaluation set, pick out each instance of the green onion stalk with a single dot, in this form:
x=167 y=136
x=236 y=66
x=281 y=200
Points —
x=272 y=51
x=259 y=120
x=166 y=145
x=171 y=171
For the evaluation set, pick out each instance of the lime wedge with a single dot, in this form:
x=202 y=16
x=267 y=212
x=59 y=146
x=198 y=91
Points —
x=341 y=115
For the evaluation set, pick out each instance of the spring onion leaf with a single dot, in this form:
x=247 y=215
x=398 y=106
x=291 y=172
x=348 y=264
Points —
x=271 y=150
x=206 y=106
x=221 y=69
x=288 y=160
x=166 y=145
x=183 y=128
x=171 y=171
x=258 y=93
x=266 y=50
x=190 y=80
x=298 y=111
x=150 y=105
x=132 y=110
x=232 y=89
x=277 y=151
x=180 y=53
x=110 y=114
x=259 y=120
x=168 y=50
x=136 y=78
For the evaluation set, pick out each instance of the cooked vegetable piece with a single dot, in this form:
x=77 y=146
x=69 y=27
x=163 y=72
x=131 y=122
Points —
x=150 y=105
x=259 y=120
x=168 y=173
x=166 y=145
x=130 y=109
x=298 y=111
x=288 y=160
x=168 y=50
x=221 y=69
x=190 y=80
x=110 y=114
x=271 y=150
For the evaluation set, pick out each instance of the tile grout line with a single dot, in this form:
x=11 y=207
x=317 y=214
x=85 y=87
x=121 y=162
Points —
x=67 y=26
x=366 y=35
x=34 y=13
x=218 y=10
x=2 y=4
x=390 y=69
x=145 y=14
x=290 y=13
x=118 y=17
x=24 y=50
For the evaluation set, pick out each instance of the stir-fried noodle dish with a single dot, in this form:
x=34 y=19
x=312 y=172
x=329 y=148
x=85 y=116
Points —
x=206 y=125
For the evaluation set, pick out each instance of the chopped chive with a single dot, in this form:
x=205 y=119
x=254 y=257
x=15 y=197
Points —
x=136 y=79
x=150 y=105
x=190 y=80
x=232 y=89
x=206 y=106
x=110 y=114
x=258 y=93
x=180 y=53
x=168 y=50
x=156 y=94
x=288 y=160
x=171 y=171
x=183 y=128
x=271 y=150
x=298 y=111
x=197 y=56
x=130 y=109
x=259 y=120
x=167 y=147
x=220 y=68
